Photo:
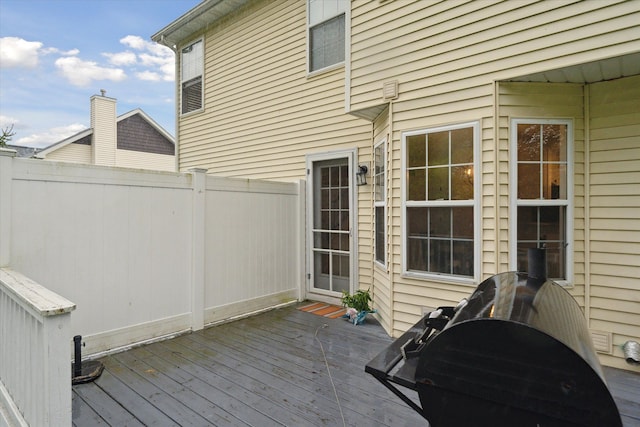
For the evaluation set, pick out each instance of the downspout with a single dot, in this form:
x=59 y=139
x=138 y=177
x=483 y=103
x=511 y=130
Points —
x=496 y=180
x=389 y=232
x=176 y=105
x=587 y=205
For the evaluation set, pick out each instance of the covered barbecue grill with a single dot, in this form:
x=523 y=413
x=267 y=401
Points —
x=516 y=353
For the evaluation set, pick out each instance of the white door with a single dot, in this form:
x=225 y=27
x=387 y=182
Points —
x=330 y=216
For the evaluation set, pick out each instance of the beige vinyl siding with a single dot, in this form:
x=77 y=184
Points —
x=75 y=153
x=412 y=41
x=262 y=113
x=142 y=160
x=381 y=279
x=614 y=219
x=548 y=101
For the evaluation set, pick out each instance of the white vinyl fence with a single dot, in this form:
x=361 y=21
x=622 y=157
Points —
x=145 y=254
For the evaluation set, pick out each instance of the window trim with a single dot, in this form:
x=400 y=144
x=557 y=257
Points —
x=376 y=204
x=476 y=204
x=347 y=36
x=202 y=79
x=514 y=203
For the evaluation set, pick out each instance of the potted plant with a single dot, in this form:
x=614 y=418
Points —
x=357 y=305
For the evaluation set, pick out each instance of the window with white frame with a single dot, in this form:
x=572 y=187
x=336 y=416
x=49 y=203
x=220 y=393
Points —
x=440 y=206
x=542 y=181
x=326 y=27
x=192 y=64
x=379 y=186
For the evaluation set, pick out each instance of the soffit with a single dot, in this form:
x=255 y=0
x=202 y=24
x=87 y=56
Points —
x=590 y=72
x=200 y=17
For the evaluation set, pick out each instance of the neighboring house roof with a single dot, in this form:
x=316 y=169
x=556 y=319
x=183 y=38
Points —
x=23 y=151
x=205 y=14
x=139 y=132
x=136 y=132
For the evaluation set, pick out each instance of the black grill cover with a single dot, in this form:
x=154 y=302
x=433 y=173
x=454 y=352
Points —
x=518 y=354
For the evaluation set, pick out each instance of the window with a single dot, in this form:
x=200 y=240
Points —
x=379 y=185
x=440 y=212
x=191 y=77
x=542 y=182
x=326 y=33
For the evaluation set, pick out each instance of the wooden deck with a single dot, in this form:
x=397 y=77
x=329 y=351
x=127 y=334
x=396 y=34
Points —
x=266 y=370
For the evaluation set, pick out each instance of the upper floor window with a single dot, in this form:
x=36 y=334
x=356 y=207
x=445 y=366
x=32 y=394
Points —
x=542 y=184
x=379 y=185
x=192 y=62
x=326 y=33
x=440 y=201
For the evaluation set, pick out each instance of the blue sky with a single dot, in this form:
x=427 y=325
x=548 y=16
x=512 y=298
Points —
x=56 y=54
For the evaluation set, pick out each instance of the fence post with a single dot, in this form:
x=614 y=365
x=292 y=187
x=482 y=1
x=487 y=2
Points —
x=6 y=181
x=198 y=251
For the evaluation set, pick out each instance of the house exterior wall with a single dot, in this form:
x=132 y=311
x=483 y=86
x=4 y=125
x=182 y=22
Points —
x=447 y=77
x=75 y=153
x=452 y=62
x=382 y=287
x=414 y=43
x=613 y=194
x=262 y=113
x=142 y=160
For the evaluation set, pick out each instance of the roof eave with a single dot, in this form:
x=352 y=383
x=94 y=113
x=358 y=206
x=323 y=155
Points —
x=200 y=17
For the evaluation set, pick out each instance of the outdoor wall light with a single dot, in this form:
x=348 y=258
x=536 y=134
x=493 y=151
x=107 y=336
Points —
x=361 y=175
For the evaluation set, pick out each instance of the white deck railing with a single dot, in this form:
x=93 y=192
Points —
x=35 y=369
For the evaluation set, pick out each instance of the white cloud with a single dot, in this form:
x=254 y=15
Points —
x=18 y=53
x=6 y=121
x=50 y=136
x=48 y=50
x=121 y=58
x=82 y=73
x=135 y=42
x=158 y=59
x=150 y=76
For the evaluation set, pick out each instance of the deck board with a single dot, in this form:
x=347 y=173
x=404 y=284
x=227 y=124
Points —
x=265 y=370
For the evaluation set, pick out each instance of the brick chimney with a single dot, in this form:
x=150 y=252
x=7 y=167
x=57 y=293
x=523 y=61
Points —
x=103 y=123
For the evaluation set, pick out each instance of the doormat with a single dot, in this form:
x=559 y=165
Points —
x=323 y=309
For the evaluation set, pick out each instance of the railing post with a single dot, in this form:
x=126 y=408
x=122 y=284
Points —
x=198 y=251
x=57 y=369
x=35 y=373
x=6 y=181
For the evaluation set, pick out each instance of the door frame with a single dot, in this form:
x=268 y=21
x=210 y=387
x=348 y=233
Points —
x=351 y=156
